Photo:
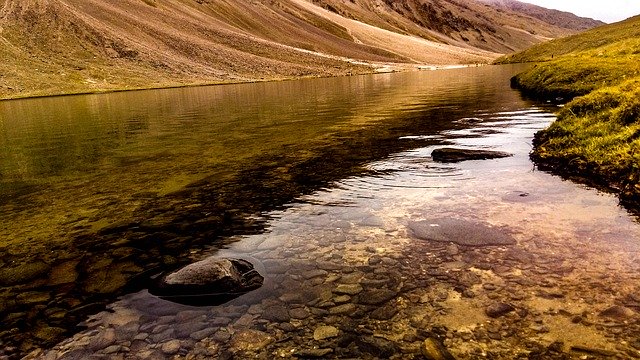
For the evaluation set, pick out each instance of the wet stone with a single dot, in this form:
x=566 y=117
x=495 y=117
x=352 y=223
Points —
x=102 y=340
x=250 y=340
x=112 y=349
x=498 y=309
x=343 y=309
x=384 y=313
x=452 y=155
x=312 y=353
x=617 y=312
x=314 y=273
x=199 y=335
x=276 y=313
x=171 y=347
x=299 y=313
x=377 y=346
x=459 y=231
x=325 y=332
x=348 y=289
x=433 y=349
x=376 y=296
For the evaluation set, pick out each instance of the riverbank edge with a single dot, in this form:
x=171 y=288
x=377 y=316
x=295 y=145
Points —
x=375 y=69
x=580 y=169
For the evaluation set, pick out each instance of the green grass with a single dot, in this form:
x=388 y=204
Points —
x=597 y=133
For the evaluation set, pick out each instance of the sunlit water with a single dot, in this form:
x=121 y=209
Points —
x=315 y=182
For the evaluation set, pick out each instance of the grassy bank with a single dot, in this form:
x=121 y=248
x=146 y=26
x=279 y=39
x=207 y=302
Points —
x=597 y=134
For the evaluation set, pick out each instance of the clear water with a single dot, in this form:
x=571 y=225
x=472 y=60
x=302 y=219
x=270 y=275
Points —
x=101 y=191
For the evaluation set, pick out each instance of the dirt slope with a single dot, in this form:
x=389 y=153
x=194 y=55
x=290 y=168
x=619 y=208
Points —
x=68 y=46
x=559 y=18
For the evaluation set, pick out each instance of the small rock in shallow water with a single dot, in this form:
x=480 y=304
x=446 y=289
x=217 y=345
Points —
x=276 y=313
x=450 y=155
x=171 y=347
x=299 y=313
x=376 y=296
x=325 y=332
x=459 y=231
x=433 y=349
x=348 y=289
x=312 y=353
x=617 y=312
x=384 y=313
x=210 y=281
x=342 y=309
x=250 y=340
x=377 y=346
x=498 y=309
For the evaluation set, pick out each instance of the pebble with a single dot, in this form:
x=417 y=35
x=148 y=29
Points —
x=348 y=289
x=276 y=313
x=376 y=296
x=171 y=347
x=433 y=349
x=498 y=309
x=312 y=353
x=299 y=313
x=250 y=340
x=343 y=309
x=325 y=332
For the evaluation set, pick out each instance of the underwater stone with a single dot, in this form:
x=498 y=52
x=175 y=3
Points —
x=209 y=281
x=459 y=231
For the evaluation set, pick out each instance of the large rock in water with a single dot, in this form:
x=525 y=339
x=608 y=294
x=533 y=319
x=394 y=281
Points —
x=211 y=281
x=450 y=155
x=461 y=232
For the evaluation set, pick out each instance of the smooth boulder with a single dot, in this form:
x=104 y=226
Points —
x=210 y=281
x=459 y=231
x=451 y=155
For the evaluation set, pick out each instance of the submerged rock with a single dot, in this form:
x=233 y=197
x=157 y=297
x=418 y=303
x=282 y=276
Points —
x=617 y=312
x=208 y=282
x=461 y=232
x=498 y=309
x=23 y=273
x=449 y=155
x=433 y=349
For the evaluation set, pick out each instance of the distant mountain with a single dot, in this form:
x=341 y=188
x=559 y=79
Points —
x=70 y=46
x=559 y=18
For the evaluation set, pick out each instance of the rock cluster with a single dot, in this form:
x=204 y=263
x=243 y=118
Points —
x=331 y=297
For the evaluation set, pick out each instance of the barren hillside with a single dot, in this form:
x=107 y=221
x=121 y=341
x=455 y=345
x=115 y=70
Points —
x=555 y=17
x=69 y=46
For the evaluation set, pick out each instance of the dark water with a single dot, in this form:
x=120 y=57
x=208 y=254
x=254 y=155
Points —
x=98 y=192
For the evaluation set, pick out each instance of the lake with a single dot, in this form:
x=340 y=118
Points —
x=324 y=185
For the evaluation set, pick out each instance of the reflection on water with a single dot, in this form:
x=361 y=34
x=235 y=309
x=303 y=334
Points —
x=100 y=191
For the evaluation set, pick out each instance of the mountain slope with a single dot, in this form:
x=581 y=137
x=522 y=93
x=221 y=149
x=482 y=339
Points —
x=70 y=46
x=597 y=134
x=559 y=18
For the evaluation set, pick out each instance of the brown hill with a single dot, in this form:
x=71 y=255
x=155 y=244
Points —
x=69 y=46
x=559 y=18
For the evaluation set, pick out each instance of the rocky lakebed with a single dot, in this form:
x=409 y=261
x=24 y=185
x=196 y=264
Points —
x=482 y=259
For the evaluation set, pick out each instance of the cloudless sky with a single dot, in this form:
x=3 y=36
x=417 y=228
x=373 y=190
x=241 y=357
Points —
x=605 y=10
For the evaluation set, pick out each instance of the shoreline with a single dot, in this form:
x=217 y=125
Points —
x=581 y=145
x=375 y=69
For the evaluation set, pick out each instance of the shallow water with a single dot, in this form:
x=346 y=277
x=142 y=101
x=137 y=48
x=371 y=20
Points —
x=316 y=183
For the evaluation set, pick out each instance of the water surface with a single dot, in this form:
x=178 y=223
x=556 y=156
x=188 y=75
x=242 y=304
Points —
x=316 y=182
